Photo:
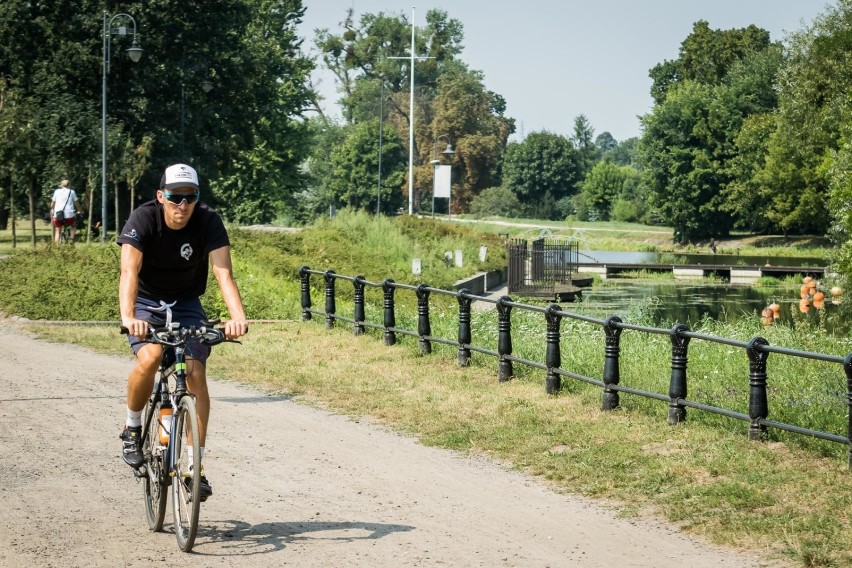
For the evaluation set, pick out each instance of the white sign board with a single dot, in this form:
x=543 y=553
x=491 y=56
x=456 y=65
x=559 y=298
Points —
x=442 y=181
x=415 y=266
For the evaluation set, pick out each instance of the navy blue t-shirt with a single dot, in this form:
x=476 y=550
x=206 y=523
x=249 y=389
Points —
x=174 y=263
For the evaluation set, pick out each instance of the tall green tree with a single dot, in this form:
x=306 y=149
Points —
x=248 y=49
x=450 y=100
x=688 y=143
x=541 y=170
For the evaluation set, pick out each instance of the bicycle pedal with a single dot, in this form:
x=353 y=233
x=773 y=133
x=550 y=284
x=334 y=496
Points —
x=140 y=473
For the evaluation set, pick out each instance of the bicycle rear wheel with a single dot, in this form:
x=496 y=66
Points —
x=186 y=487
x=153 y=483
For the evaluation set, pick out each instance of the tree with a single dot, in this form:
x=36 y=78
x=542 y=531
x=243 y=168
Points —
x=600 y=190
x=688 y=144
x=450 y=99
x=541 y=170
x=248 y=48
x=496 y=201
x=583 y=139
x=354 y=166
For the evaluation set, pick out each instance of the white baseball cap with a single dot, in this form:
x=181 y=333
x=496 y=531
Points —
x=179 y=175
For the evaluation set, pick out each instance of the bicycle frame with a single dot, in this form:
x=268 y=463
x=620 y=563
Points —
x=161 y=389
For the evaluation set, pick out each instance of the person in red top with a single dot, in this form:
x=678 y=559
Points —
x=166 y=246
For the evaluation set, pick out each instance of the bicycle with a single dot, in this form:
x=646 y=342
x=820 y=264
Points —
x=165 y=444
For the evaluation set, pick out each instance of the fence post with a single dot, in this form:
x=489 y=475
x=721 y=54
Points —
x=677 y=385
x=847 y=367
x=390 y=318
x=504 y=338
x=758 y=406
x=464 y=327
x=611 y=374
x=305 y=278
x=330 y=308
x=424 y=329
x=553 y=355
x=358 y=315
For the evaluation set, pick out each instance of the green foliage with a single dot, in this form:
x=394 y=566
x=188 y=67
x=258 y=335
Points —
x=541 y=170
x=688 y=144
x=58 y=283
x=353 y=179
x=81 y=282
x=451 y=101
x=496 y=201
x=242 y=135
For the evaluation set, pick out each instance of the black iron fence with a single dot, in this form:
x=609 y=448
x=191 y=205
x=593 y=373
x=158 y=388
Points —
x=536 y=270
x=757 y=350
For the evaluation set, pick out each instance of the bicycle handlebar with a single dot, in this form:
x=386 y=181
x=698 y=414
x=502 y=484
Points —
x=176 y=335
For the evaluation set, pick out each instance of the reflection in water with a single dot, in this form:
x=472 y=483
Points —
x=616 y=257
x=662 y=304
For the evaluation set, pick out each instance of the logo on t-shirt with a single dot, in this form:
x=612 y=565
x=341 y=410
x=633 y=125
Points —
x=186 y=251
x=132 y=234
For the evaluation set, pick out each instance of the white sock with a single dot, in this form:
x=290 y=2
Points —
x=189 y=455
x=134 y=418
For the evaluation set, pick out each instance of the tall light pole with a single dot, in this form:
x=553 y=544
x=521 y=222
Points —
x=412 y=57
x=435 y=163
x=135 y=52
x=206 y=86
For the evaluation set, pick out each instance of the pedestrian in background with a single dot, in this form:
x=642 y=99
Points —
x=63 y=208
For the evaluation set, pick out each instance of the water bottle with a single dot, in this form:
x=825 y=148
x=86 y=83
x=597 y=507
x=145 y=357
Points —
x=165 y=424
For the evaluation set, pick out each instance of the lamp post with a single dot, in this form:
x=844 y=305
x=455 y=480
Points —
x=435 y=163
x=412 y=57
x=134 y=52
x=206 y=86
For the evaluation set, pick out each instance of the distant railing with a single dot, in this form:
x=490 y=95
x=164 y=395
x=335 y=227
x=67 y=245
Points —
x=756 y=349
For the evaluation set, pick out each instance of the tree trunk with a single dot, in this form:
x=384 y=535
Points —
x=90 y=190
x=12 y=212
x=31 y=192
x=117 y=228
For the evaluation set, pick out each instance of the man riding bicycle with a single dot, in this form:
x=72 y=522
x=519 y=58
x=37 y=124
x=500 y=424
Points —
x=165 y=249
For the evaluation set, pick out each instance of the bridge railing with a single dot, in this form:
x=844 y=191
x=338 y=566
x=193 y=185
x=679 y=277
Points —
x=757 y=350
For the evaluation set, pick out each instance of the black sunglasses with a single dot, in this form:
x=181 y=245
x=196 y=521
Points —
x=178 y=198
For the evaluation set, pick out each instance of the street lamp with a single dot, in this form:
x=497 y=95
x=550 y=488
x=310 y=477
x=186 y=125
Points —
x=435 y=163
x=206 y=86
x=135 y=53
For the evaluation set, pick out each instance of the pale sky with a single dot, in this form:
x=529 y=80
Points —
x=556 y=59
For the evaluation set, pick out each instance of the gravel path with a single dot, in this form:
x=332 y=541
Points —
x=294 y=486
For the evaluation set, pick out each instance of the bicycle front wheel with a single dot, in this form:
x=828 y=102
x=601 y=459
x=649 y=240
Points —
x=154 y=484
x=186 y=487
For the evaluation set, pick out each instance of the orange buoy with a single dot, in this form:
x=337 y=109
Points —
x=819 y=304
x=804 y=305
x=806 y=279
x=812 y=284
x=804 y=291
x=819 y=297
x=776 y=310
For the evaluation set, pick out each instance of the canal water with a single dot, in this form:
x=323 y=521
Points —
x=664 y=303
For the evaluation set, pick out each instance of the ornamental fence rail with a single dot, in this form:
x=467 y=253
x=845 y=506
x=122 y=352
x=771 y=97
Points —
x=756 y=349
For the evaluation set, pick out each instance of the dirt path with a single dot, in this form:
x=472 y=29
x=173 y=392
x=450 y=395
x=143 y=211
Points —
x=294 y=486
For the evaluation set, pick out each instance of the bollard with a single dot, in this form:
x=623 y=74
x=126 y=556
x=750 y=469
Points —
x=358 y=315
x=329 y=298
x=390 y=318
x=504 y=338
x=758 y=406
x=465 y=336
x=305 y=278
x=847 y=367
x=611 y=374
x=553 y=355
x=424 y=329
x=677 y=385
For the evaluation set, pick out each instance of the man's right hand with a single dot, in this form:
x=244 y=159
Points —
x=135 y=327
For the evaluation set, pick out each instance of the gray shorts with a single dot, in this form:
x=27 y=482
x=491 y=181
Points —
x=185 y=312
